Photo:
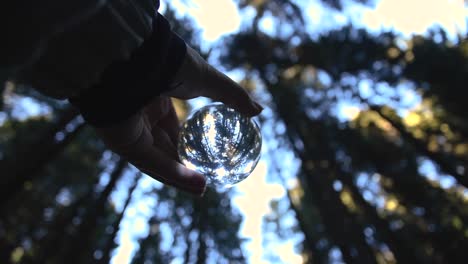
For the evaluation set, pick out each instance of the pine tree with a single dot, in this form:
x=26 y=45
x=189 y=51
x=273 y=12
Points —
x=45 y=147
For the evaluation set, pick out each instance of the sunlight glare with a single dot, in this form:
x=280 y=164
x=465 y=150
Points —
x=287 y=255
x=391 y=204
x=254 y=198
x=416 y=16
x=347 y=111
x=125 y=249
x=215 y=17
x=210 y=122
x=412 y=119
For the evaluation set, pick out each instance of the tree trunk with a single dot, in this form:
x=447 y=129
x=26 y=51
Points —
x=189 y=242
x=414 y=191
x=339 y=223
x=6 y=250
x=199 y=213
x=79 y=245
x=55 y=236
x=33 y=158
x=201 y=251
x=400 y=248
x=115 y=227
x=149 y=250
x=442 y=161
x=309 y=243
x=403 y=252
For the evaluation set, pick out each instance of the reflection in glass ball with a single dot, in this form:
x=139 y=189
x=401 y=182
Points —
x=220 y=143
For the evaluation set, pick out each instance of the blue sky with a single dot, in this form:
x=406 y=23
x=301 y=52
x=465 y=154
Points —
x=220 y=17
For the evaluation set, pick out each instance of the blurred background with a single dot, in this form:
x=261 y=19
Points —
x=364 y=159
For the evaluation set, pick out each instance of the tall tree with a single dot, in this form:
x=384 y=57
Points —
x=111 y=240
x=317 y=179
x=45 y=147
x=80 y=240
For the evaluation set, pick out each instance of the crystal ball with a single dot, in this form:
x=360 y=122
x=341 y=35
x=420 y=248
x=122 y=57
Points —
x=220 y=143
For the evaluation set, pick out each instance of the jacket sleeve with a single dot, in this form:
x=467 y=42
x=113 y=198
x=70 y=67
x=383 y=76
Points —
x=109 y=58
x=61 y=48
x=127 y=85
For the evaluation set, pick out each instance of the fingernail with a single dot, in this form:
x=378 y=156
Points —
x=198 y=180
x=196 y=185
x=259 y=107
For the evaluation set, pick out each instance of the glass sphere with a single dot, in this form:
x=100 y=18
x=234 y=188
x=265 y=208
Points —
x=220 y=143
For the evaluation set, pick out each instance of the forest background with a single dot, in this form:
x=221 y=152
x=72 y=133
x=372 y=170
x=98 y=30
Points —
x=364 y=159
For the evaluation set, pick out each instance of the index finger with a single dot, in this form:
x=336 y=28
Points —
x=222 y=88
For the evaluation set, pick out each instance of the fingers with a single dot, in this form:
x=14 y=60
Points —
x=148 y=149
x=164 y=142
x=147 y=156
x=157 y=109
x=172 y=173
x=170 y=124
x=161 y=118
x=221 y=88
x=197 y=78
x=156 y=163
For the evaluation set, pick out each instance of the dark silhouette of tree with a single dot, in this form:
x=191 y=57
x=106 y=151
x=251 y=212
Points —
x=80 y=239
x=46 y=147
x=149 y=246
x=363 y=188
x=315 y=177
x=290 y=74
x=110 y=243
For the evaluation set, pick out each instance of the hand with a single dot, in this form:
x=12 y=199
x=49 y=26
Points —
x=148 y=139
x=197 y=78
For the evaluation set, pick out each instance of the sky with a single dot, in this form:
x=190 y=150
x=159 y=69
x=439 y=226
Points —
x=220 y=17
x=415 y=16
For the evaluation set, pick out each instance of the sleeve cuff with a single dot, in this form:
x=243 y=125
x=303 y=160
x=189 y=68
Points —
x=127 y=86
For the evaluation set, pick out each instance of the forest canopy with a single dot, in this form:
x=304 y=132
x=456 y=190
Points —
x=366 y=133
